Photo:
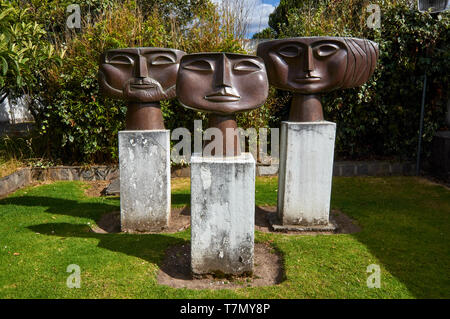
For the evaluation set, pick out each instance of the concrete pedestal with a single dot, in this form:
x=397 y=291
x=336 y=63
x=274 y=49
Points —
x=305 y=175
x=222 y=214
x=144 y=162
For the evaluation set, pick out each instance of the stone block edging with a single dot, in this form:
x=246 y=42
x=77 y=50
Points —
x=14 y=181
x=25 y=176
x=375 y=168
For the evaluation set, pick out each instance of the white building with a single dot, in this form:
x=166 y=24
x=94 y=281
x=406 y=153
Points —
x=15 y=112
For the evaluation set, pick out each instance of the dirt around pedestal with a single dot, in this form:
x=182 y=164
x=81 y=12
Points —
x=110 y=222
x=175 y=270
x=95 y=188
x=345 y=224
x=180 y=220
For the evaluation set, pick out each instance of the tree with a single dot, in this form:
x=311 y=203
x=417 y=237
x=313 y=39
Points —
x=381 y=117
x=278 y=18
x=24 y=50
x=267 y=33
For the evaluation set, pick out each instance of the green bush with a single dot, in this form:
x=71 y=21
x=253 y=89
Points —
x=24 y=50
x=381 y=118
x=75 y=124
x=78 y=125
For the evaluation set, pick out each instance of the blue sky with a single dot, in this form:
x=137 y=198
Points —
x=259 y=13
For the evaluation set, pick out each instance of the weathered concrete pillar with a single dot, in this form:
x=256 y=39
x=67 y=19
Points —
x=222 y=214
x=144 y=162
x=306 y=171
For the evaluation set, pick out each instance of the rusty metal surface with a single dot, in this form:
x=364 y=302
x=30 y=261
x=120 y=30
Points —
x=230 y=143
x=142 y=77
x=144 y=116
x=308 y=66
x=305 y=108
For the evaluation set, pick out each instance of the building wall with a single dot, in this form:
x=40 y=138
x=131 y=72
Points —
x=15 y=112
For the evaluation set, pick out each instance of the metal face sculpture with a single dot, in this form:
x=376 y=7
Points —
x=312 y=65
x=142 y=77
x=222 y=84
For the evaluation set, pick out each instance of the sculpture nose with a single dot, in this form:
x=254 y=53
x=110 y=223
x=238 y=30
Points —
x=309 y=61
x=141 y=67
x=223 y=77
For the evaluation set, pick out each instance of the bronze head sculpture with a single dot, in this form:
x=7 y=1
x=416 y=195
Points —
x=222 y=84
x=142 y=77
x=311 y=65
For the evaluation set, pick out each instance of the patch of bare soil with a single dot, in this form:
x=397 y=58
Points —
x=110 y=222
x=345 y=224
x=95 y=188
x=176 y=272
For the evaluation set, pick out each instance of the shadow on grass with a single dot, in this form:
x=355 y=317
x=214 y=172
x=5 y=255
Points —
x=181 y=199
x=77 y=208
x=418 y=261
x=62 y=206
x=149 y=247
x=405 y=225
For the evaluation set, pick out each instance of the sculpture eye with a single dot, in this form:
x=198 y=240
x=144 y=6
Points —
x=120 y=59
x=325 y=50
x=246 y=66
x=289 y=51
x=162 y=59
x=199 y=65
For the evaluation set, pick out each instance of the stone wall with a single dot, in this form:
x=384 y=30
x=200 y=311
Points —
x=25 y=176
x=377 y=168
x=15 y=181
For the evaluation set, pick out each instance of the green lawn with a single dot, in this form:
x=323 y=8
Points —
x=405 y=229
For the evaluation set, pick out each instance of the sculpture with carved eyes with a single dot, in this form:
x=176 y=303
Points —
x=311 y=65
x=222 y=84
x=142 y=77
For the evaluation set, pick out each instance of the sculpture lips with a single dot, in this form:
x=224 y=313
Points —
x=308 y=79
x=142 y=86
x=222 y=97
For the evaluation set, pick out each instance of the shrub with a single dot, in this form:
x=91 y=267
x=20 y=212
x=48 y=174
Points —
x=381 y=118
x=77 y=124
x=24 y=50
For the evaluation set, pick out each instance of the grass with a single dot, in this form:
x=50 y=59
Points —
x=405 y=229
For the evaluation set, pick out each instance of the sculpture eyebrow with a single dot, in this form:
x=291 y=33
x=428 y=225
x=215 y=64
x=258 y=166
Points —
x=161 y=53
x=242 y=58
x=255 y=62
x=198 y=59
x=288 y=44
x=113 y=54
x=195 y=59
x=321 y=42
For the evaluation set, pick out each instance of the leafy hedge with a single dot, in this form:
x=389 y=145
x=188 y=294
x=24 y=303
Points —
x=24 y=50
x=380 y=119
x=78 y=125
x=75 y=124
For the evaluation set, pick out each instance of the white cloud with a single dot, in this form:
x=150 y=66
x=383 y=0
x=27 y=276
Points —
x=258 y=14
